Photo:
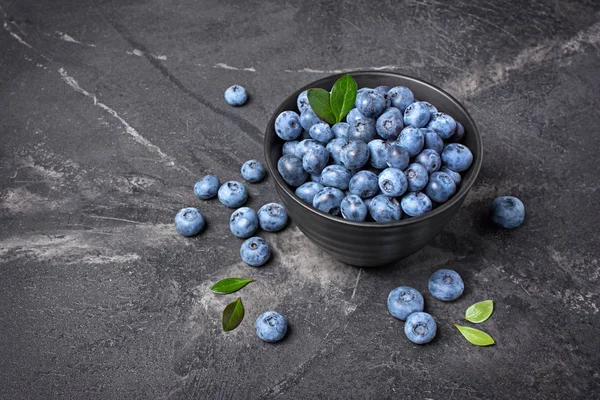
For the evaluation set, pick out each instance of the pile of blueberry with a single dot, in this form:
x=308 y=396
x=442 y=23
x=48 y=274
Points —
x=392 y=156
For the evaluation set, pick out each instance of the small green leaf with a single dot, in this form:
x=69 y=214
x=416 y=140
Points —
x=233 y=315
x=479 y=312
x=230 y=285
x=319 y=102
x=475 y=336
x=343 y=96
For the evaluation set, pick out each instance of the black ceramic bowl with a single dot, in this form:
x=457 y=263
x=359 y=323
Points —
x=369 y=244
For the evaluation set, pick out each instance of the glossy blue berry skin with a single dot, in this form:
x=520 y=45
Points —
x=404 y=301
x=315 y=178
x=243 y=222
x=255 y=251
x=415 y=203
x=433 y=141
x=446 y=285
x=392 y=182
x=340 y=130
x=457 y=157
x=189 y=221
x=378 y=153
x=364 y=184
x=401 y=97
x=362 y=129
x=336 y=176
x=302 y=101
x=384 y=91
x=390 y=124
x=430 y=159
x=315 y=159
x=308 y=190
x=236 y=95
x=335 y=147
x=253 y=171
x=272 y=217
x=443 y=124
x=397 y=156
x=321 y=132
x=308 y=118
x=412 y=139
x=454 y=175
x=328 y=200
x=370 y=103
x=271 y=326
x=291 y=170
x=420 y=328
x=354 y=154
x=507 y=212
x=384 y=209
x=417 y=115
x=232 y=194
x=353 y=208
x=354 y=116
x=287 y=125
x=432 y=109
x=289 y=148
x=440 y=187
x=207 y=187
x=416 y=177
x=303 y=146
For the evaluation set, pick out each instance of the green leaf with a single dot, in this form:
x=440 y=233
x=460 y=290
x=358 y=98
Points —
x=343 y=96
x=475 y=336
x=233 y=315
x=230 y=285
x=319 y=102
x=479 y=312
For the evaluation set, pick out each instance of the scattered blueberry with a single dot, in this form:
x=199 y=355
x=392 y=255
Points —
x=236 y=95
x=420 y=328
x=272 y=217
x=392 y=182
x=353 y=208
x=232 y=194
x=253 y=171
x=384 y=209
x=328 y=200
x=364 y=184
x=336 y=176
x=397 y=157
x=417 y=115
x=287 y=125
x=433 y=141
x=290 y=169
x=255 y=251
x=443 y=124
x=446 y=285
x=457 y=157
x=289 y=148
x=378 y=153
x=416 y=177
x=271 y=326
x=401 y=97
x=243 y=222
x=315 y=159
x=335 y=147
x=370 y=103
x=207 y=187
x=340 y=130
x=454 y=175
x=440 y=187
x=189 y=221
x=507 y=212
x=354 y=154
x=390 y=124
x=412 y=139
x=404 y=301
x=321 y=132
x=430 y=159
x=308 y=118
x=302 y=101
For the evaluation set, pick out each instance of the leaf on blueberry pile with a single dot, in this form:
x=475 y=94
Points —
x=475 y=336
x=343 y=96
x=319 y=102
x=233 y=315
x=479 y=312
x=230 y=285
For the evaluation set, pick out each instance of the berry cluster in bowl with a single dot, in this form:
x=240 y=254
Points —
x=393 y=157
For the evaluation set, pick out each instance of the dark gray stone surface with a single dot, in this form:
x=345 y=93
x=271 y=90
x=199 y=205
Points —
x=109 y=112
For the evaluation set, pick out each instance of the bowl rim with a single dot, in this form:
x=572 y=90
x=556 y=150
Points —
x=464 y=187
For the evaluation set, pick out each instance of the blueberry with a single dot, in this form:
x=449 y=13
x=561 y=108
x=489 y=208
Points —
x=507 y=212
x=457 y=157
x=272 y=217
x=340 y=130
x=392 y=182
x=446 y=285
x=404 y=301
x=412 y=139
x=315 y=178
x=353 y=208
x=255 y=251
x=354 y=154
x=390 y=124
x=367 y=201
x=308 y=118
x=454 y=175
x=207 y=187
x=370 y=103
x=290 y=169
x=315 y=159
x=432 y=109
x=335 y=147
x=302 y=101
x=417 y=115
x=243 y=222
x=189 y=221
x=304 y=145
x=336 y=176
x=321 y=132
x=289 y=148
x=308 y=190
x=440 y=187
x=253 y=171
x=233 y=194
x=287 y=125
x=415 y=204
x=401 y=97
x=384 y=91
x=378 y=153
x=430 y=159
x=354 y=116
x=459 y=133
x=271 y=326
x=362 y=129
x=433 y=141
x=396 y=156
x=384 y=209
x=443 y=124
x=420 y=328
x=328 y=200
x=236 y=95
x=416 y=177
x=364 y=184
